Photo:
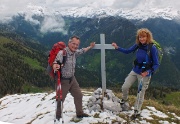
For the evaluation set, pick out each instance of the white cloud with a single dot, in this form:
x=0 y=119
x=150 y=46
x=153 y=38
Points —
x=129 y=4
x=126 y=4
x=164 y=3
x=53 y=24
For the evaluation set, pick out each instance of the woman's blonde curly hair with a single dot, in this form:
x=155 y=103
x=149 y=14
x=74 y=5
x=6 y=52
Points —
x=144 y=32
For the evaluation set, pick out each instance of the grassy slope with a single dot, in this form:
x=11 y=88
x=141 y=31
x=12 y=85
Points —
x=32 y=62
x=173 y=98
x=20 y=52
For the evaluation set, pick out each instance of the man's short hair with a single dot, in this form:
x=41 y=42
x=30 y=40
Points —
x=74 y=37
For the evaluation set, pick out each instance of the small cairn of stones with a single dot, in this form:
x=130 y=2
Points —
x=99 y=103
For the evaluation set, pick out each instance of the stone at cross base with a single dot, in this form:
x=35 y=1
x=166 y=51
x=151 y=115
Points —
x=109 y=102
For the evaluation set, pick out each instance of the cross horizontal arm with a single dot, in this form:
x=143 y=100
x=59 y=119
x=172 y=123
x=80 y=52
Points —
x=104 y=46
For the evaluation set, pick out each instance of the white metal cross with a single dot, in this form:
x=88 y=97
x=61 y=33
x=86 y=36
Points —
x=103 y=46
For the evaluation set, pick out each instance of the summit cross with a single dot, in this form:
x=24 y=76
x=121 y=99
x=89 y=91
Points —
x=102 y=46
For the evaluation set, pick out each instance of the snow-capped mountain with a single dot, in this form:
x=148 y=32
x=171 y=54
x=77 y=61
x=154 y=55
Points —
x=136 y=13
x=140 y=11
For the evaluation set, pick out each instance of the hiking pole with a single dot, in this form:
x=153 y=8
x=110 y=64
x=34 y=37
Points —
x=56 y=104
x=134 y=116
x=139 y=92
x=59 y=94
x=55 y=97
x=58 y=98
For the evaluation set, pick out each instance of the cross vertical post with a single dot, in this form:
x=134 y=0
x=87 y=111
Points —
x=102 y=46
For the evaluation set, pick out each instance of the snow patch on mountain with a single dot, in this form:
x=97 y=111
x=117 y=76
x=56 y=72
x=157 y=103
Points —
x=139 y=11
x=136 y=13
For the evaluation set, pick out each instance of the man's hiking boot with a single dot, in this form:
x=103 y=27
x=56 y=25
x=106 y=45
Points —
x=58 y=117
x=82 y=115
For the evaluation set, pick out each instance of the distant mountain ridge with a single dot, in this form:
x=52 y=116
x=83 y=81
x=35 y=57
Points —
x=140 y=11
x=132 y=14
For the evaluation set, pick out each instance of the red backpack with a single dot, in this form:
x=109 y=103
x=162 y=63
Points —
x=52 y=55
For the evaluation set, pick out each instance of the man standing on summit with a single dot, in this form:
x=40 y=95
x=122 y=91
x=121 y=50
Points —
x=68 y=80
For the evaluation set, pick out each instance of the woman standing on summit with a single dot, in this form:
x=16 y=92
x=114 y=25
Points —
x=143 y=40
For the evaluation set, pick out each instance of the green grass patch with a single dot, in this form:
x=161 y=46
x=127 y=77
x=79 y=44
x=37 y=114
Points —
x=29 y=88
x=4 y=40
x=173 y=98
x=33 y=63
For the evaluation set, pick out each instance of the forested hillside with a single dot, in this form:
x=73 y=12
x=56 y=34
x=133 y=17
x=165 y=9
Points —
x=22 y=67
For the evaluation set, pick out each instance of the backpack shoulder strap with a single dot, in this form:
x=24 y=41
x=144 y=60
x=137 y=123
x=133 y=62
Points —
x=64 y=56
x=149 y=49
x=64 y=59
x=137 y=47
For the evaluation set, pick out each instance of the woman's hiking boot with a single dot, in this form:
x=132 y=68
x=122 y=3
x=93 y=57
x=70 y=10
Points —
x=124 y=105
x=135 y=115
